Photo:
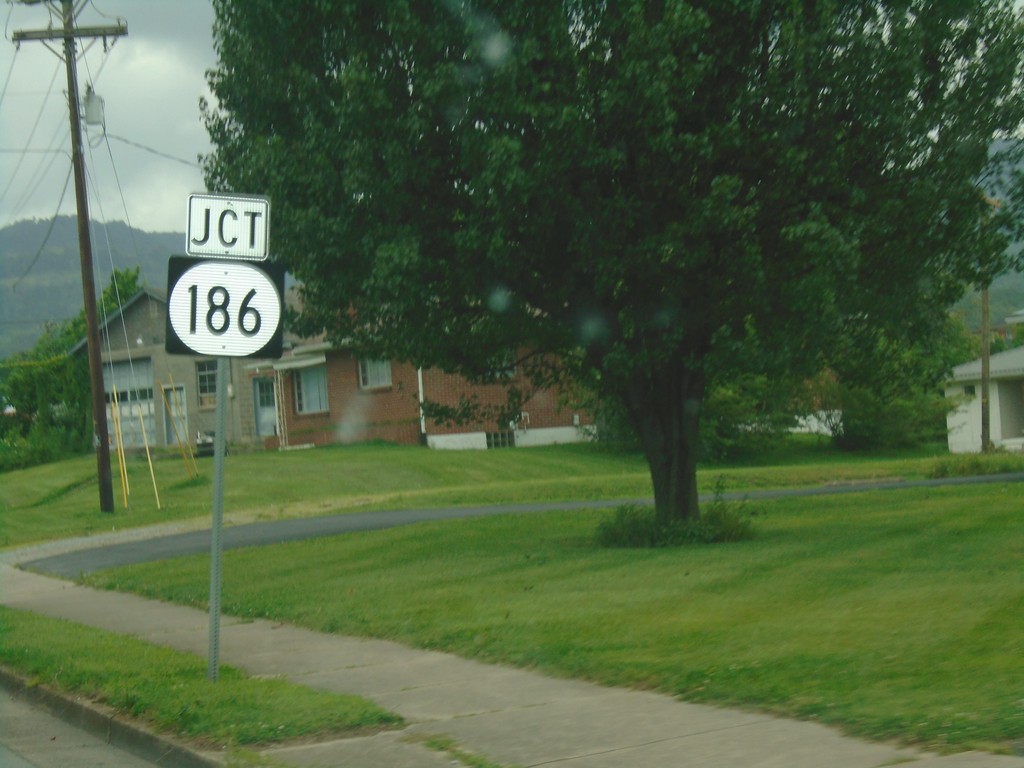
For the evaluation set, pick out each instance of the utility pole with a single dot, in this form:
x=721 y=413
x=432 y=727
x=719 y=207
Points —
x=986 y=342
x=69 y=35
x=986 y=377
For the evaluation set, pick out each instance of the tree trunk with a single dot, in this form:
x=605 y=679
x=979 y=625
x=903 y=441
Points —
x=665 y=410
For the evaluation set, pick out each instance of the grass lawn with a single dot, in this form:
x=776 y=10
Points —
x=168 y=689
x=59 y=500
x=895 y=614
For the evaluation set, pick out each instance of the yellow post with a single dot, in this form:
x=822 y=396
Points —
x=174 y=426
x=115 y=416
x=179 y=409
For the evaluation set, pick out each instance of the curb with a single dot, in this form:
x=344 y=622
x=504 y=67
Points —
x=101 y=722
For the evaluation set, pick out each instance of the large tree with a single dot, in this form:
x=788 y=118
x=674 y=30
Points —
x=648 y=193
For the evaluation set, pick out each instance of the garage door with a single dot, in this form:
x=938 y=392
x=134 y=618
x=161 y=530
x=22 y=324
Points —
x=129 y=394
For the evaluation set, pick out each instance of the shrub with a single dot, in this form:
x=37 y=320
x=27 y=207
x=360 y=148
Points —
x=745 y=416
x=973 y=464
x=636 y=527
x=868 y=421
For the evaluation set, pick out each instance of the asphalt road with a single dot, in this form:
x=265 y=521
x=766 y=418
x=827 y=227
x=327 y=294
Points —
x=71 y=565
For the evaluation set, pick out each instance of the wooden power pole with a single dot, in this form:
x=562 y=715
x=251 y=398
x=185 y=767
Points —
x=69 y=34
x=986 y=376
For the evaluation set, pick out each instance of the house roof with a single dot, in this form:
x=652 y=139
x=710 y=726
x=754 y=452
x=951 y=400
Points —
x=1002 y=365
x=153 y=293
x=1016 y=318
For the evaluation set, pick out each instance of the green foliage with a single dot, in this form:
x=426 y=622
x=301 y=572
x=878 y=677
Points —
x=893 y=365
x=860 y=419
x=1014 y=340
x=975 y=464
x=634 y=526
x=649 y=193
x=883 y=390
x=41 y=445
x=49 y=388
x=746 y=416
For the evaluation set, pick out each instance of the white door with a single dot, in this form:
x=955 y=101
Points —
x=265 y=406
x=175 y=415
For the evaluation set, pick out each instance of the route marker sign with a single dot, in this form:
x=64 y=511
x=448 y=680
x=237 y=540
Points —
x=224 y=308
x=227 y=306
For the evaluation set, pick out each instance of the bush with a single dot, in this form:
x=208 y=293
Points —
x=974 y=464
x=745 y=416
x=868 y=421
x=637 y=527
x=42 y=445
x=859 y=418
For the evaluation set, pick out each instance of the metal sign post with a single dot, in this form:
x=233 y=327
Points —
x=224 y=307
x=216 y=530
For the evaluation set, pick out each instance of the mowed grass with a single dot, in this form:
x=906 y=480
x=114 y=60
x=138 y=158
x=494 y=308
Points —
x=60 y=500
x=894 y=614
x=169 y=690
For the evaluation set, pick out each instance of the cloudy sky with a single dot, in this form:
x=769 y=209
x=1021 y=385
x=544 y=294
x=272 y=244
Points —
x=150 y=80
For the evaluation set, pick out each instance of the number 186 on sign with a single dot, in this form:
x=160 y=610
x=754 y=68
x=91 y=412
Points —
x=220 y=308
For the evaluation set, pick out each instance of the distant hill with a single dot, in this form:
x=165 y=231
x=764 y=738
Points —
x=1005 y=296
x=41 y=279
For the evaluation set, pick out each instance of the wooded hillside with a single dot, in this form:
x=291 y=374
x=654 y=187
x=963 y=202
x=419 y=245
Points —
x=40 y=275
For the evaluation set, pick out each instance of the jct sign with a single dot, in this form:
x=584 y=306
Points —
x=234 y=227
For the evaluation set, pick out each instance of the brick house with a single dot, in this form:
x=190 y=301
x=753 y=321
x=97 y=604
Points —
x=327 y=395
x=314 y=395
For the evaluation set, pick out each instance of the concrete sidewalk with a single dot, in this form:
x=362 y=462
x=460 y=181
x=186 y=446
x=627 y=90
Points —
x=511 y=717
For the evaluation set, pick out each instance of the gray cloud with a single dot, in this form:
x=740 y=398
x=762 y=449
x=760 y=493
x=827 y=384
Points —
x=151 y=82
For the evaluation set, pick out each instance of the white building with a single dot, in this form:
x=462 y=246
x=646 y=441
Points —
x=1006 y=403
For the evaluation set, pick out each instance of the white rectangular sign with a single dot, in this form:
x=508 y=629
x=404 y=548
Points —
x=230 y=227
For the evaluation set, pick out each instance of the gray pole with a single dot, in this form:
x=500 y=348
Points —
x=213 y=663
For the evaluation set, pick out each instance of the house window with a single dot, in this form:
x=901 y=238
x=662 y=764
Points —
x=969 y=390
x=506 y=368
x=311 y=390
x=374 y=374
x=504 y=439
x=206 y=383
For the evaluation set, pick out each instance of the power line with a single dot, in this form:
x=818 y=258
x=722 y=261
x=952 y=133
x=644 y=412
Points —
x=120 y=191
x=10 y=71
x=157 y=152
x=41 y=171
x=39 y=116
x=49 y=231
x=33 y=151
